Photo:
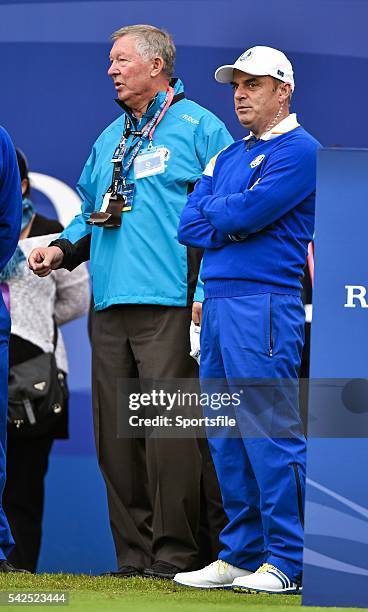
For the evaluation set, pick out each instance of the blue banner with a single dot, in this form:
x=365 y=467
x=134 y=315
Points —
x=336 y=527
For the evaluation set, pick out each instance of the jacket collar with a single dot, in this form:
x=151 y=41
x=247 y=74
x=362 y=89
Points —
x=286 y=125
x=155 y=102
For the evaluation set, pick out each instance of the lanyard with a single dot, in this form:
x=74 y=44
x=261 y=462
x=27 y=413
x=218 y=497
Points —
x=121 y=169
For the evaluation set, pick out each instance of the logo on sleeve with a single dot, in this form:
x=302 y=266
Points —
x=256 y=161
x=190 y=119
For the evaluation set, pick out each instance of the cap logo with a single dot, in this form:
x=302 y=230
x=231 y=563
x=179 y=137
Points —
x=280 y=73
x=246 y=55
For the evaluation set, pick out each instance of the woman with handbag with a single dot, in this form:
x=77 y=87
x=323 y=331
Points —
x=38 y=411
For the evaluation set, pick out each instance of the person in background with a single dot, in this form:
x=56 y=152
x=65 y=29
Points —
x=35 y=308
x=134 y=187
x=10 y=221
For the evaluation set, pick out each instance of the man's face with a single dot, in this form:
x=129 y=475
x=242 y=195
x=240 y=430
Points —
x=129 y=71
x=256 y=99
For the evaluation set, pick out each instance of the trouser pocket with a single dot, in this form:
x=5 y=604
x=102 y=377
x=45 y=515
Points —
x=299 y=493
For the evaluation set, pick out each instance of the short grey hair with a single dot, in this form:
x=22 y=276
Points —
x=151 y=42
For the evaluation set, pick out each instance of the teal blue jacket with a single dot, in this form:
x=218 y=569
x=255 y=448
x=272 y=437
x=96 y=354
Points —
x=142 y=262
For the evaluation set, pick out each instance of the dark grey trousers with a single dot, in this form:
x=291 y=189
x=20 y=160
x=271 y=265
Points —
x=163 y=496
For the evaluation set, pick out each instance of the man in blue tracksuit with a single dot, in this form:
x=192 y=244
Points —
x=144 y=283
x=253 y=213
x=10 y=221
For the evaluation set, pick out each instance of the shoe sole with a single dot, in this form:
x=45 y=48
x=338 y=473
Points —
x=225 y=587
x=249 y=590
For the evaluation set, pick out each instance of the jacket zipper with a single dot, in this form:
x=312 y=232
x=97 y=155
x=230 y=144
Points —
x=299 y=493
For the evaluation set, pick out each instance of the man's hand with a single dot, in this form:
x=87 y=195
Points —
x=43 y=260
x=197 y=313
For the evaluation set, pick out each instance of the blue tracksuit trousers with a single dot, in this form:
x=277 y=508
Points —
x=261 y=469
x=6 y=539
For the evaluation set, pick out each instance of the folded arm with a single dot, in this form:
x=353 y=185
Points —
x=288 y=179
x=194 y=229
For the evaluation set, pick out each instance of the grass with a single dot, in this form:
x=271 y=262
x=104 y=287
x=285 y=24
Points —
x=92 y=594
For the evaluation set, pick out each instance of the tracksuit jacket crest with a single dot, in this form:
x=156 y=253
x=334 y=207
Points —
x=142 y=262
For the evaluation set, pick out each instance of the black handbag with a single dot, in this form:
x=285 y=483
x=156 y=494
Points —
x=37 y=395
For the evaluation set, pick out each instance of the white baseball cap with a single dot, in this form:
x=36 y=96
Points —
x=259 y=61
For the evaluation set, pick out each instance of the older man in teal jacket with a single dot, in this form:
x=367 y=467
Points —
x=133 y=188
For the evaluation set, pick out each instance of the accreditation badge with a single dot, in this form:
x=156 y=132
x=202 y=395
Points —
x=151 y=162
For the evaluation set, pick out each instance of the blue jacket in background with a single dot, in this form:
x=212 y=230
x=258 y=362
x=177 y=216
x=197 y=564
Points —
x=253 y=213
x=10 y=199
x=142 y=262
x=10 y=223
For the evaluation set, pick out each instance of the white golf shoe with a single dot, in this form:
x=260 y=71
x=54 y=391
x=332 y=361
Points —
x=267 y=579
x=217 y=575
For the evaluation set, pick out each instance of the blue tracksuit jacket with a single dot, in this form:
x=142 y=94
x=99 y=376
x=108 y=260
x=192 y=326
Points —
x=253 y=212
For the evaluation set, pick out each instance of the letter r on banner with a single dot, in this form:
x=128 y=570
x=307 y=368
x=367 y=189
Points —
x=355 y=292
